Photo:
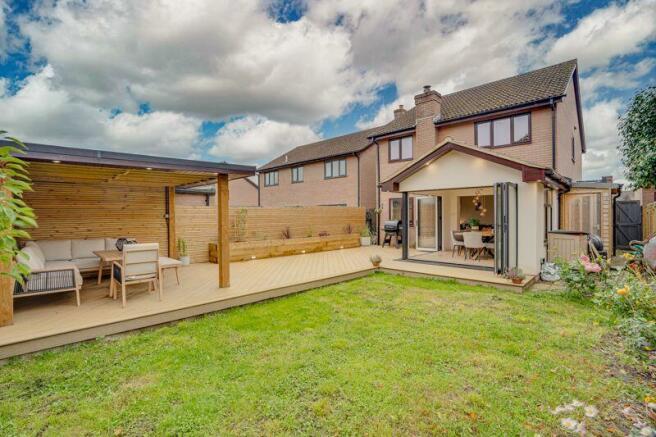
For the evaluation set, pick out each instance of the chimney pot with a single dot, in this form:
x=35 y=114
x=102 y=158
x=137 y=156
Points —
x=427 y=88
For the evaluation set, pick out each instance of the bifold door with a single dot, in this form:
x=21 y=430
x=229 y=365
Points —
x=506 y=237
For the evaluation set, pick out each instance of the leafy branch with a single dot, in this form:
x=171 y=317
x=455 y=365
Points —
x=15 y=215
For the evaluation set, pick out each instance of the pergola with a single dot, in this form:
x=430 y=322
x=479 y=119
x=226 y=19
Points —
x=63 y=174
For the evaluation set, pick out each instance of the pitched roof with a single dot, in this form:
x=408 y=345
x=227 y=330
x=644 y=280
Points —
x=523 y=89
x=531 y=87
x=342 y=145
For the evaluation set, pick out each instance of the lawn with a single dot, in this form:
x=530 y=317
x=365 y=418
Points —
x=378 y=355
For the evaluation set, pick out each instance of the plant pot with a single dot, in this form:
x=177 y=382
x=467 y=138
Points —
x=516 y=281
x=376 y=264
x=474 y=228
x=185 y=260
x=365 y=241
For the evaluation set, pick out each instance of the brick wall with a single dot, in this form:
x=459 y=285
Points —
x=314 y=190
x=567 y=127
x=538 y=151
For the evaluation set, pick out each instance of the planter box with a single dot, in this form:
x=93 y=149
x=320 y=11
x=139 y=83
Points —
x=244 y=251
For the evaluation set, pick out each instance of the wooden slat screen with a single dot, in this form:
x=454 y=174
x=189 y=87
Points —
x=198 y=225
x=67 y=211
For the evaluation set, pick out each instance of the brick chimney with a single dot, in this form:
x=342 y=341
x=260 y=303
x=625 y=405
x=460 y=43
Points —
x=399 y=112
x=428 y=106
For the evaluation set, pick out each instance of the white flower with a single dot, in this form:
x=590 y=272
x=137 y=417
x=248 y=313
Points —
x=569 y=424
x=591 y=411
x=575 y=403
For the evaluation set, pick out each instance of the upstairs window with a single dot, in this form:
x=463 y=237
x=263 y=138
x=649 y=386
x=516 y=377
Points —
x=400 y=149
x=297 y=175
x=506 y=131
x=335 y=168
x=271 y=178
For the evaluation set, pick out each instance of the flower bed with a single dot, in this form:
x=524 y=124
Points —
x=626 y=289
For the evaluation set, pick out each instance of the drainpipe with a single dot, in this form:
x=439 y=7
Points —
x=358 y=158
x=613 y=199
x=259 y=187
x=377 y=191
x=553 y=133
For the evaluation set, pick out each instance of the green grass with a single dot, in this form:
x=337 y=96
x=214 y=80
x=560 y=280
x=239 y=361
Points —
x=378 y=355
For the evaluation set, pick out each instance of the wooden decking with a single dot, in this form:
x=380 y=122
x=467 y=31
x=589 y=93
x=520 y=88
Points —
x=49 y=321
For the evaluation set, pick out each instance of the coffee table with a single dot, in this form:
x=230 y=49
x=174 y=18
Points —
x=106 y=257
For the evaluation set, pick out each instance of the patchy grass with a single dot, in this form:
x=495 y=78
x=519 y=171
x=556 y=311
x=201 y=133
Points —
x=376 y=355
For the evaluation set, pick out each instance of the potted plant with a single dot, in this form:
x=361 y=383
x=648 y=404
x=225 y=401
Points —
x=515 y=274
x=365 y=236
x=183 y=252
x=375 y=260
x=474 y=223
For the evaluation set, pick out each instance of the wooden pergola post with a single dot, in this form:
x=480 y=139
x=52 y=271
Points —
x=170 y=210
x=223 y=215
x=6 y=298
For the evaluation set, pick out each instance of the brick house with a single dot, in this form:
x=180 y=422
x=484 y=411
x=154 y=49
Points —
x=243 y=192
x=531 y=121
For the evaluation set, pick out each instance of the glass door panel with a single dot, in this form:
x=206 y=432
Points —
x=427 y=223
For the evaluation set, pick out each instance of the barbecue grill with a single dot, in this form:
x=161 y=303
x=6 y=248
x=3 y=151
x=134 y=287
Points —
x=392 y=229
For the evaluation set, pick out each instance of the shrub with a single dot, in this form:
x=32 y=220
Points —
x=625 y=292
x=583 y=278
x=628 y=295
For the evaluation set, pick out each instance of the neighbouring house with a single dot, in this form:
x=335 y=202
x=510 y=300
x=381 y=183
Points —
x=502 y=153
x=243 y=192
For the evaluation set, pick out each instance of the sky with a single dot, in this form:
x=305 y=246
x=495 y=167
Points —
x=245 y=81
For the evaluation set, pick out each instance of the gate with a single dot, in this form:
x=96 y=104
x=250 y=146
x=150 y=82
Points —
x=628 y=223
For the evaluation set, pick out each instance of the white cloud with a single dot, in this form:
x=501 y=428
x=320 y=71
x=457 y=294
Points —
x=254 y=139
x=41 y=111
x=615 y=30
x=4 y=31
x=626 y=77
x=205 y=58
x=385 y=113
x=448 y=44
x=601 y=158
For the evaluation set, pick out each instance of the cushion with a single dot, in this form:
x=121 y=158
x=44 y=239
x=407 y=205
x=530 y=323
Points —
x=86 y=263
x=37 y=249
x=110 y=243
x=56 y=250
x=31 y=258
x=84 y=248
x=60 y=265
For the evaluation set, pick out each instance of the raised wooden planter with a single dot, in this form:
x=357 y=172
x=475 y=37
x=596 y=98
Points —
x=244 y=251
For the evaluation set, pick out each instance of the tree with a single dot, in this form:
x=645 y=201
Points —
x=15 y=215
x=638 y=139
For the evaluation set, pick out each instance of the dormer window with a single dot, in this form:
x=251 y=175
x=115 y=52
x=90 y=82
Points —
x=507 y=131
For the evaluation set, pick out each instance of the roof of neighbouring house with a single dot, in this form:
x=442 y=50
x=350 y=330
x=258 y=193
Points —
x=521 y=90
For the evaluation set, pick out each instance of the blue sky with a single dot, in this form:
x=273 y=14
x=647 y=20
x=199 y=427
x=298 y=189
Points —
x=208 y=80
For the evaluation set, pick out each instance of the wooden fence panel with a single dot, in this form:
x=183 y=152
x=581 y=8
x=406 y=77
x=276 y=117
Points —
x=649 y=220
x=197 y=224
